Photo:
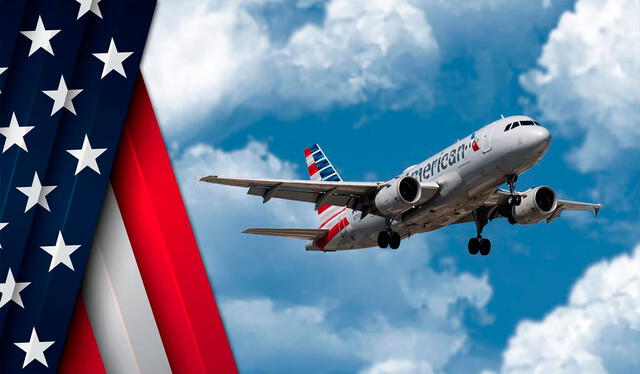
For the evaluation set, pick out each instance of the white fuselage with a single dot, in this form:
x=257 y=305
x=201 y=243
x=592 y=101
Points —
x=468 y=172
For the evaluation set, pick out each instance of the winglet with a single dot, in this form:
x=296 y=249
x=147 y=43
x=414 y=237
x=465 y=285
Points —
x=596 y=210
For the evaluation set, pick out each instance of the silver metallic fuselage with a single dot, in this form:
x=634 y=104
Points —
x=467 y=174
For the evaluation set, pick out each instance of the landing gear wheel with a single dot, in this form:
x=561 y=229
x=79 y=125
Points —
x=474 y=246
x=383 y=239
x=514 y=199
x=485 y=246
x=394 y=242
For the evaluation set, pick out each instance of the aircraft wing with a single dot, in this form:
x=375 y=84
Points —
x=501 y=196
x=573 y=205
x=354 y=195
x=308 y=234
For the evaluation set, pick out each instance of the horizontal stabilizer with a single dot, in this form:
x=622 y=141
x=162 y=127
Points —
x=308 y=234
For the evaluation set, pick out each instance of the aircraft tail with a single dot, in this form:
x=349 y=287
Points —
x=321 y=169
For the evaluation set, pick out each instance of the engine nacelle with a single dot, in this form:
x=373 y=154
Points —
x=537 y=204
x=398 y=195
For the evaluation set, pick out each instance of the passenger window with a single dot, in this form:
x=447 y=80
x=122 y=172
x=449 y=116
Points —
x=514 y=125
x=526 y=123
x=507 y=128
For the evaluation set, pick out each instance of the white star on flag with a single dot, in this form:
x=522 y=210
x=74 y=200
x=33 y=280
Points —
x=14 y=134
x=2 y=70
x=89 y=5
x=36 y=193
x=2 y=226
x=34 y=349
x=62 y=97
x=40 y=37
x=112 y=60
x=60 y=253
x=11 y=289
x=86 y=156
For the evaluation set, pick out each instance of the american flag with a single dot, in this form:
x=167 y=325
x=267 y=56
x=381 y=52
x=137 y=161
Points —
x=68 y=70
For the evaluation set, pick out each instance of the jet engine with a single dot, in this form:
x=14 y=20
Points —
x=537 y=204
x=398 y=195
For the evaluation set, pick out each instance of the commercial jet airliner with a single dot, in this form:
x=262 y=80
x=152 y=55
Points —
x=459 y=184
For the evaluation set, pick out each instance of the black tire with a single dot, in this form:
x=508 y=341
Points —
x=383 y=239
x=394 y=240
x=517 y=200
x=485 y=246
x=473 y=246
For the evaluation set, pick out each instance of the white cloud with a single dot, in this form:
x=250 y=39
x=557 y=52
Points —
x=252 y=161
x=588 y=78
x=399 y=367
x=376 y=334
x=597 y=331
x=212 y=57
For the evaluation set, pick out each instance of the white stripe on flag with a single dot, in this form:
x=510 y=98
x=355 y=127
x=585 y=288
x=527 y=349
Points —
x=116 y=301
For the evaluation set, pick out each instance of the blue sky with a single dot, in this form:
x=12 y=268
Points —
x=242 y=87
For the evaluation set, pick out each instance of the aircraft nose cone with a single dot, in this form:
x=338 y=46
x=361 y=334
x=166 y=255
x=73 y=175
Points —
x=541 y=137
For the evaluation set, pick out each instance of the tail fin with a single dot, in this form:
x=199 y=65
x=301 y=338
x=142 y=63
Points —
x=320 y=168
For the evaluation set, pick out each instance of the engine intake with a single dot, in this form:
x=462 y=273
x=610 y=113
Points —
x=398 y=195
x=537 y=204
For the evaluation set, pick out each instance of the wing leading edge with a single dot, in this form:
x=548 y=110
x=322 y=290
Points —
x=354 y=195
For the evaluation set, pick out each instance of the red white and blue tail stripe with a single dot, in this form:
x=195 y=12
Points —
x=319 y=166
x=321 y=169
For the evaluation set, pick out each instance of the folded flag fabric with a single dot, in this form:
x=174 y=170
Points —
x=146 y=303
x=67 y=73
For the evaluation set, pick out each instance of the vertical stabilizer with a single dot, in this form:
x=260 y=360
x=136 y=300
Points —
x=321 y=169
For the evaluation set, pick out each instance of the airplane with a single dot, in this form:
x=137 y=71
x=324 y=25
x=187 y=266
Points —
x=457 y=185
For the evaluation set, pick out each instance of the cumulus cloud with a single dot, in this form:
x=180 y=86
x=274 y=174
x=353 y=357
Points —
x=587 y=80
x=252 y=161
x=376 y=336
x=597 y=331
x=211 y=57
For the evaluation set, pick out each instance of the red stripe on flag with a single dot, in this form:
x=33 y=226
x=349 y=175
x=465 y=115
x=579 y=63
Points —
x=80 y=354
x=312 y=169
x=307 y=152
x=324 y=207
x=164 y=246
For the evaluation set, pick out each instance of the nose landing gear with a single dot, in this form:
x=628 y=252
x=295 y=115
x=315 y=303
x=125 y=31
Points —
x=480 y=244
x=513 y=198
x=389 y=238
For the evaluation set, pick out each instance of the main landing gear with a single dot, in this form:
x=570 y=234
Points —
x=480 y=244
x=389 y=238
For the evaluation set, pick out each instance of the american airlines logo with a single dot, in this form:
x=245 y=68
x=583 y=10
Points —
x=443 y=161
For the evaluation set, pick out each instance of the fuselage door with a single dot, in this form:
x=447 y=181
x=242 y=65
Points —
x=486 y=139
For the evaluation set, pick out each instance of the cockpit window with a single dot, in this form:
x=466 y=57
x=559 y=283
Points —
x=526 y=123
x=507 y=128
x=536 y=123
x=514 y=125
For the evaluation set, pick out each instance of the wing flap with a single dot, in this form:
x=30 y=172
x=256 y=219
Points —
x=307 y=234
x=337 y=193
x=305 y=196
